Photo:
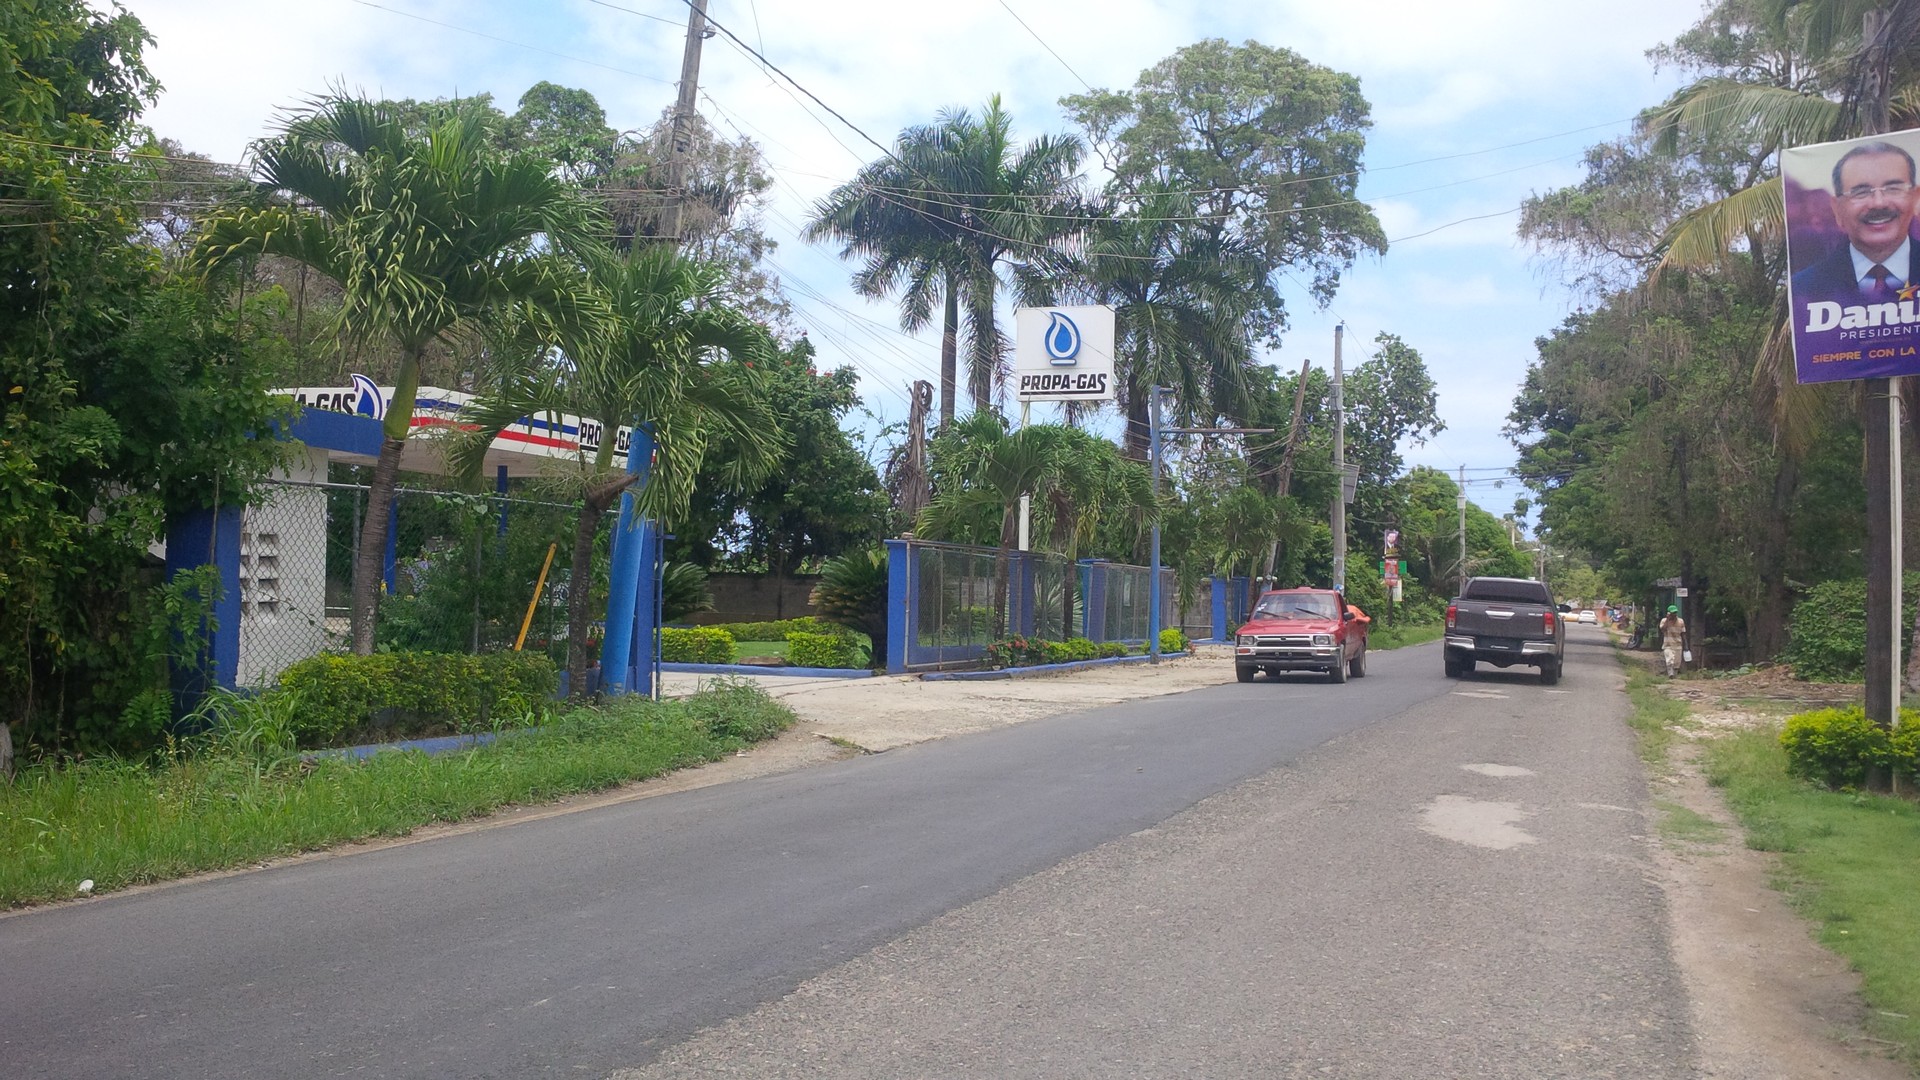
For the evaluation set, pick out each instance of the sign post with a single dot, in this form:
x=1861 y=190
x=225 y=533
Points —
x=1852 y=298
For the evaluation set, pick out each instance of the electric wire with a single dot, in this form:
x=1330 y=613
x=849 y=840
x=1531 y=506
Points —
x=1044 y=45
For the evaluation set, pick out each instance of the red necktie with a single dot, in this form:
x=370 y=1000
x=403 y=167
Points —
x=1880 y=291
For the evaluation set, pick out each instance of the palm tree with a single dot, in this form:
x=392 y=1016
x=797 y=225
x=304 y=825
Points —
x=1080 y=481
x=1181 y=309
x=938 y=217
x=653 y=363
x=424 y=233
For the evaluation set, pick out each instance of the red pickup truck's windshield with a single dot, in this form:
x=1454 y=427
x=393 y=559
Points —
x=1296 y=606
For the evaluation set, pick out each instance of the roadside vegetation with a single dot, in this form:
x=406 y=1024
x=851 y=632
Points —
x=1849 y=862
x=240 y=793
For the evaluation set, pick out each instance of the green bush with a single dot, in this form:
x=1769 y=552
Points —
x=699 y=645
x=347 y=699
x=1903 y=745
x=1022 y=651
x=1173 y=640
x=821 y=650
x=737 y=712
x=1834 y=747
x=777 y=630
x=1827 y=636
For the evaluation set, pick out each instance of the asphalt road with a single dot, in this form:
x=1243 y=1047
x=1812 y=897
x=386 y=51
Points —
x=1272 y=879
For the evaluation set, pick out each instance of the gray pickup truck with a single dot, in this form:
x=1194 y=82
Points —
x=1504 y=621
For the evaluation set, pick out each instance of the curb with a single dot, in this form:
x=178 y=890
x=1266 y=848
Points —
x=756 y=669
x=1037 y=669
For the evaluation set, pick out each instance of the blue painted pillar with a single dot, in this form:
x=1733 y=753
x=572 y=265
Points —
x=900 y=611
x=628 y=570
x=1220 y=604
x=208 y=538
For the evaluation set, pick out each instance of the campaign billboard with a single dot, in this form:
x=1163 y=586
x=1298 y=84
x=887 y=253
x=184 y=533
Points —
x=1855 y=265
x=1063 y=354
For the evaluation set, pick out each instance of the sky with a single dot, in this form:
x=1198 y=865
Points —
x=1476 y=104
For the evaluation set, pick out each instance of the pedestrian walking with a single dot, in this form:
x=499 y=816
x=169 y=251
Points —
x=1673 y=639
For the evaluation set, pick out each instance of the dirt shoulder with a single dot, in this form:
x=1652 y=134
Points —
x=1769 y=1002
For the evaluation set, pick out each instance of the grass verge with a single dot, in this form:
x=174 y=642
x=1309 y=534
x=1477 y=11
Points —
x=208 y=807
x=1849 y=861
x=1654 y=714
x=1395 y=637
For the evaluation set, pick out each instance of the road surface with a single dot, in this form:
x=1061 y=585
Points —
x=1403 y=876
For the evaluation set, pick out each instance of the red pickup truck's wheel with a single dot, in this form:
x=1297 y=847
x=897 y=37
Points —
x=1338 y=673
x=1358 y=669
x=1243 y=673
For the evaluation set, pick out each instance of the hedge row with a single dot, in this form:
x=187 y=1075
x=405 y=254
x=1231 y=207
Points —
x=822 y=650
x=1022 y=651
x=343 y=700
x=698 y=645
x=778 y=630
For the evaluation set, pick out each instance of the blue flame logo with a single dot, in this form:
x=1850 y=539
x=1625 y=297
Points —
x=1062 y=339
x=369 y=402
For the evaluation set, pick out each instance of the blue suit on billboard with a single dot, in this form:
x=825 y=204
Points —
x=1833 y=278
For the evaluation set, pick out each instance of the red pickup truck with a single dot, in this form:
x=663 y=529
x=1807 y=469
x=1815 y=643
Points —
x=1302 y=630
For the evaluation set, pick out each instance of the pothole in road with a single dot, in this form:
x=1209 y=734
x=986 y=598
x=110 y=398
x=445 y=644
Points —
x=1500 y=771
x=1476 y=822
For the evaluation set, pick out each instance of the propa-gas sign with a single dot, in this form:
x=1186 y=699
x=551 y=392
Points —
x=1063 y=354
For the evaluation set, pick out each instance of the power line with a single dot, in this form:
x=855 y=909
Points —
x=1043 y=44
x=522 y=44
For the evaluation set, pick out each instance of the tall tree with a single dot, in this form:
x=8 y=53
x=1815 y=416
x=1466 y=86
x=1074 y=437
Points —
x=425 y=233
x=824 y=500
x=124 y=395
x=1268 y=145
x=654 y=362
x=1180 y=305
x=941 y=217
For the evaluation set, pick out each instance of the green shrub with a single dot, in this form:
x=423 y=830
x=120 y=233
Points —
x=1834 y=747
x=1827 y=636
x=736 y=711
x=1081 y=649
x=1110 y=649
x=1173 y=640
x=699 y=645
x=822 y=650
x=1058 y=652
x=1903 y=745
x=346 y=699
x=777 y=630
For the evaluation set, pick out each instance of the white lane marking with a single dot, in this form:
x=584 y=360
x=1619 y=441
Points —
x=1502 y=771
x=1605 y=806
x=1480 y=693
x=1558 y=691
x=1476 y=823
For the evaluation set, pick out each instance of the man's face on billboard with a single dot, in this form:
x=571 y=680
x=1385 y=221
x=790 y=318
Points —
x=1875 y=203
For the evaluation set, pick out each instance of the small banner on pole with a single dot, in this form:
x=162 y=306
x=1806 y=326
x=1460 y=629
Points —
x=1855 y=263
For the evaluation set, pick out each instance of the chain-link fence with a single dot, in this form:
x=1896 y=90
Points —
x=458 y=574
x=1125 y=608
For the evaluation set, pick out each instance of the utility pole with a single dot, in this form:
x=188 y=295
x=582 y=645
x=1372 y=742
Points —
x=1339 y=466
x=681 y=130
x=1462 y=503
x=1153 y=574
x=1880 y=423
